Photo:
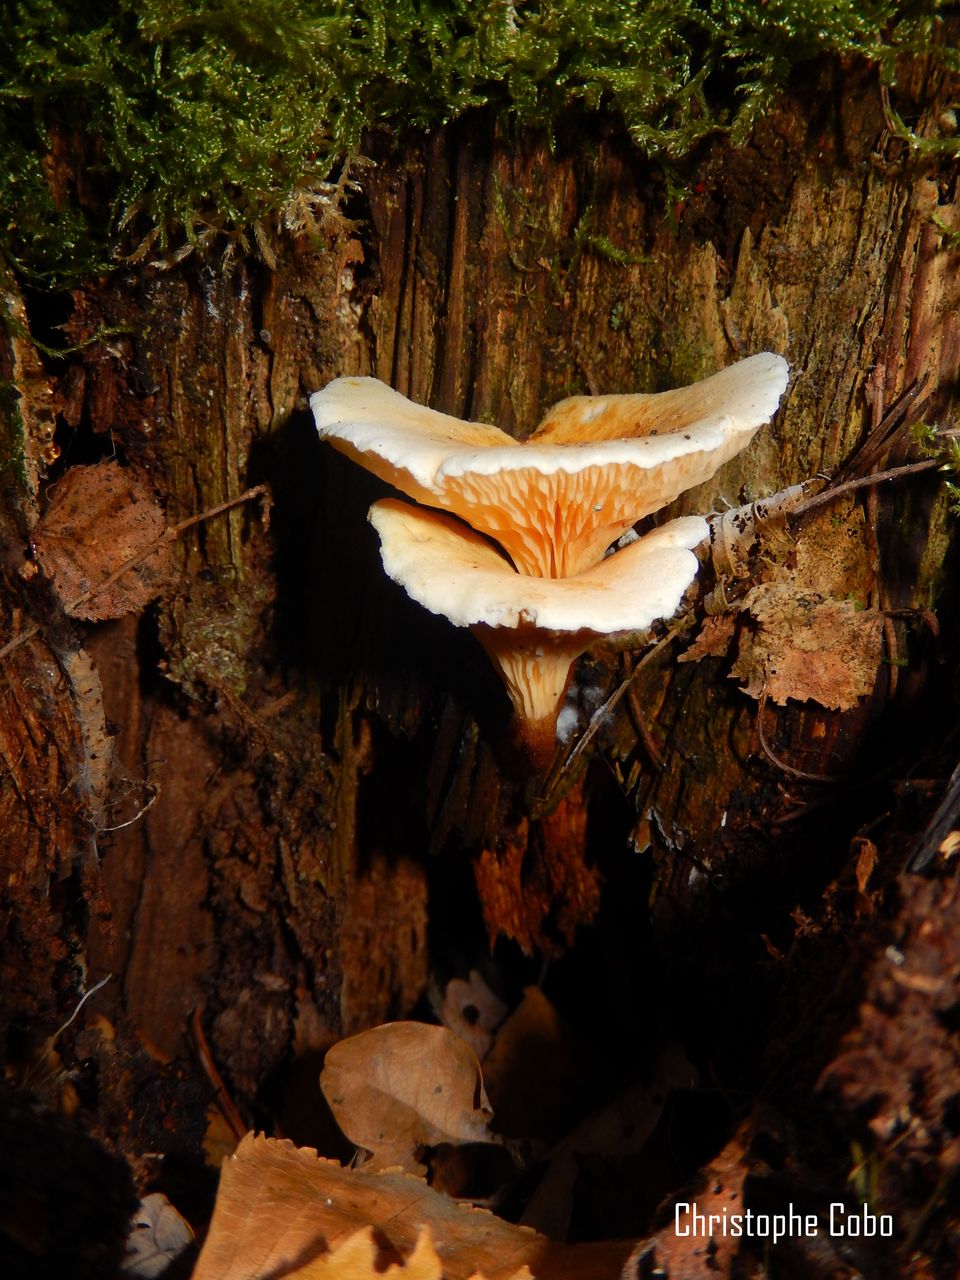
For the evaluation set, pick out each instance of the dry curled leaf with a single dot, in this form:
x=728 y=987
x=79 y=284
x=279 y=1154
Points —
x=713 y=639
x=355 y=1258
x=691 y=1256
x=399 y=1088
x=803 y=631
x=537 y=1071
x=807 y=648
x=158 y=1234
x=614 y=1132
x=282 y=1210
x=99 y=518
x=472 y=1011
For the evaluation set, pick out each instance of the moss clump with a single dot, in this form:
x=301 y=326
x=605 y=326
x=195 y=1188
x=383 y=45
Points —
x=169 y=122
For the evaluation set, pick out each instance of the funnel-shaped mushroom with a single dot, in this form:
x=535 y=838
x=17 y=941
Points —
x=748 y=392
x=534 y=628
x=596 y=465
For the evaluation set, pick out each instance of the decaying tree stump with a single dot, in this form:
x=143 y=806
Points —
x=274 y=800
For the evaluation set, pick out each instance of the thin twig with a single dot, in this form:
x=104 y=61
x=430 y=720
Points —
x=886 y=428
x=258 y=491
x=80 y=1003
x=602 y=713
x=223 y=1100
x=139 y=814
x=780 y=764
x=643 y=731
x=20 y=638
x=863 y=482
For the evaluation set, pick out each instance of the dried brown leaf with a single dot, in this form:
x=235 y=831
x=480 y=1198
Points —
x=396 y=1089
x=158 y=1234
x=867 y=858
x=807 y=648
x=616 y=1131
x=472 y=1011
x=832 y=556
x=866 y=861
x=809 y=637
x=689 y=1256
x=537 y=1071
x=355 y=1258
x=99 y=518
x=712 y=640
x=281 y=1209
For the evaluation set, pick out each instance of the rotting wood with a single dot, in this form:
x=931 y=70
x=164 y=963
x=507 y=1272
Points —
x=472 y=288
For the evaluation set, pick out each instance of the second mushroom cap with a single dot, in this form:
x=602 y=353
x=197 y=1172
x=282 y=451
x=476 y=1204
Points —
x=533 y=629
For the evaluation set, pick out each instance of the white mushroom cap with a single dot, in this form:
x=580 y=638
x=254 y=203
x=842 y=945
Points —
x=594 y=467
x=748 y=392
x=534 y=628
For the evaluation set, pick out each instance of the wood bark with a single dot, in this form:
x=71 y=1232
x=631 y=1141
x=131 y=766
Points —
x=329 y=768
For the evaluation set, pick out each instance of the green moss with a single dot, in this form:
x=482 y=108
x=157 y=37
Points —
x=951 y=239
x=11 y=434
x=604 y=247
x=932 y=572
x=171 y=123
x=210 y=642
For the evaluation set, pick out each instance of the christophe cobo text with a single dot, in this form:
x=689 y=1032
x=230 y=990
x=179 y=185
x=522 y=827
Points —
x=841 y=1221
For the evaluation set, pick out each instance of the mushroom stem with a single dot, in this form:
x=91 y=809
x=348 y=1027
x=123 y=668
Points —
x=535 y=666
x=539 y=739
x=533 y=629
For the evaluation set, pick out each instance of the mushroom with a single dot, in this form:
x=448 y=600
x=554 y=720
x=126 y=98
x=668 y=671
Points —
x=595 y=465
x=533 y=629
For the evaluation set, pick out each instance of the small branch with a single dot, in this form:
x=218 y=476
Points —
x=863 y=482
x=643 y=731
x=602 y=713
x=223 y=1100
x=258 y=491
x=139 y=814
x=168 y=535
x=780 y=764
x=20 y=638
x=51 y=1040
x=888 y=428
